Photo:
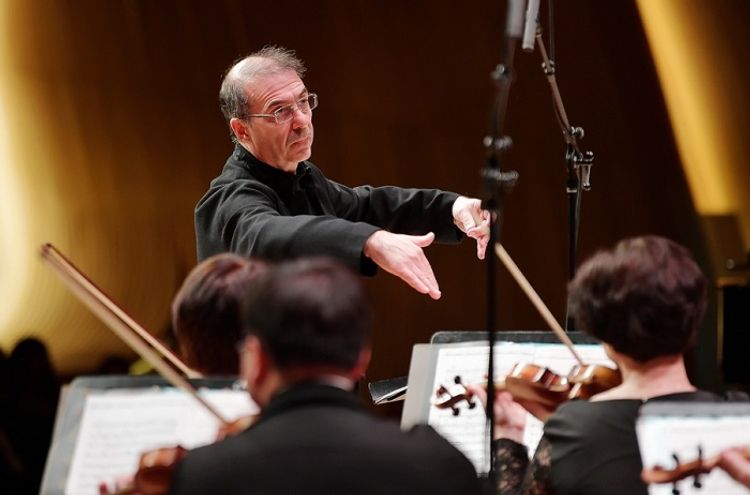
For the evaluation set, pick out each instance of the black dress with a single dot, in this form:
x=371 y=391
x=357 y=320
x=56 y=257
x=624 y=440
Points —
x=587 y=448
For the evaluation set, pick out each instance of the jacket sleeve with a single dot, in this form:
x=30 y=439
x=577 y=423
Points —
x=398 y=210
x=245 y=218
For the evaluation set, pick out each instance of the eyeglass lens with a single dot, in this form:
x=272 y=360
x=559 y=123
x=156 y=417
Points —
x=305 y=105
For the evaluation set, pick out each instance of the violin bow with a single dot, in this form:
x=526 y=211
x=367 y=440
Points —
x=50 y=251
x=526 y=287
x=123 y=325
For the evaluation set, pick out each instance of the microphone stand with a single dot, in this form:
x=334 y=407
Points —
x=578 y=165
x=495 y=183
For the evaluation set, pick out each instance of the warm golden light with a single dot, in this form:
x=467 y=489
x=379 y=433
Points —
x=77 y=171
x=14 y=260
x=36 y=208
x=687 y=55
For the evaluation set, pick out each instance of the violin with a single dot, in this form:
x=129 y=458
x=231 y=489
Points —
x=583 y=381
x=590 y=379
x=539 y=384
x=695 y=468
x=525 y=382
x=154 y=474
x=528 y=382
x=156 y=467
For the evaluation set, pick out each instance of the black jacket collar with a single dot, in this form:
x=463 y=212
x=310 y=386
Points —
x=275 y=178
x=310 y=394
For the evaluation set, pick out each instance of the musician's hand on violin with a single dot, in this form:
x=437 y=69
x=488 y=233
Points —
x=124 y=485
x=155 y=467
x=736 y=464
x=510 y=416
x=153 y=476
x=539 y=411
x=237 y=426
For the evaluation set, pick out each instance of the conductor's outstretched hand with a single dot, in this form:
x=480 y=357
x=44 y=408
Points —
x=402 y=256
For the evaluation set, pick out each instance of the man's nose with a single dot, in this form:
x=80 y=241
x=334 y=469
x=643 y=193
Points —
x=301 y=118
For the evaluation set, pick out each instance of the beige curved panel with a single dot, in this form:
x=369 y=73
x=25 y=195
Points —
x=702 y=82
x=74 y=172
x=110 y=134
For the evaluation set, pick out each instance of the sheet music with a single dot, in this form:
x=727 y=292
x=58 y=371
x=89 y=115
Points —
x=659 y=437
x=468 y=431
x=119 y=425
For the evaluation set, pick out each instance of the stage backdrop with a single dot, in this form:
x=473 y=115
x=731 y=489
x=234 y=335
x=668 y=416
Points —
x=110 y=132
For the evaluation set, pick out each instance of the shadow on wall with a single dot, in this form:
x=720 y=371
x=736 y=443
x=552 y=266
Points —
x=29 y=391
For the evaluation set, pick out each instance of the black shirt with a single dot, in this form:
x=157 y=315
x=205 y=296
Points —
x=254 y=209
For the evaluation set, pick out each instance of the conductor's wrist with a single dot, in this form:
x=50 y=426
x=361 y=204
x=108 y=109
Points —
x=372 y=243
x=514 y=433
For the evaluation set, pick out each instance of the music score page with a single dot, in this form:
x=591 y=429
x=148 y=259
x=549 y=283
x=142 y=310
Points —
x=660 y=438
x=468 y=431
x=119 y=425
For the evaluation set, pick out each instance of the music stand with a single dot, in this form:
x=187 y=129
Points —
x=674 y=434
x=70 y=415
x=459 y=358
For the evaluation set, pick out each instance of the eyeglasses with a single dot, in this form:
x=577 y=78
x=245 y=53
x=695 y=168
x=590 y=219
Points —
x=284 y=114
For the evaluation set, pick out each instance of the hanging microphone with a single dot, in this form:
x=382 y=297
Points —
x=514 y=21
x=529 y=31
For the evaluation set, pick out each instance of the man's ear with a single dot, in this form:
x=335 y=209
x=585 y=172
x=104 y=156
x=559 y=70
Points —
x=259 y=371
x=363 y=361
x=612 y=353
x=240 y=129
x=254 y=364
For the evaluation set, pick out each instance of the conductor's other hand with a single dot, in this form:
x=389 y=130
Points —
x=469 y=216
x=402 y=256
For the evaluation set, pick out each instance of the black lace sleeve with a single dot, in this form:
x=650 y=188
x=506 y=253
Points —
x=512 y=461
x=518 y=476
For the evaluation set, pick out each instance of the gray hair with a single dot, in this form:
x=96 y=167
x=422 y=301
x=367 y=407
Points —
x=270 y=59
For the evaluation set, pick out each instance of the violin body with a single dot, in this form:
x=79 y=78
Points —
x=530 y=383
x=591 y=379
x=526 y=383
x=155 y=470
x=154 y=475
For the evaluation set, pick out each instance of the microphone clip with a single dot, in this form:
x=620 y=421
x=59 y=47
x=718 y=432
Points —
x=579 y=165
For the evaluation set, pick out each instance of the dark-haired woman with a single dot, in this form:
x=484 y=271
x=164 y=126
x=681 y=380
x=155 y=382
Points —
x=644 y=300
